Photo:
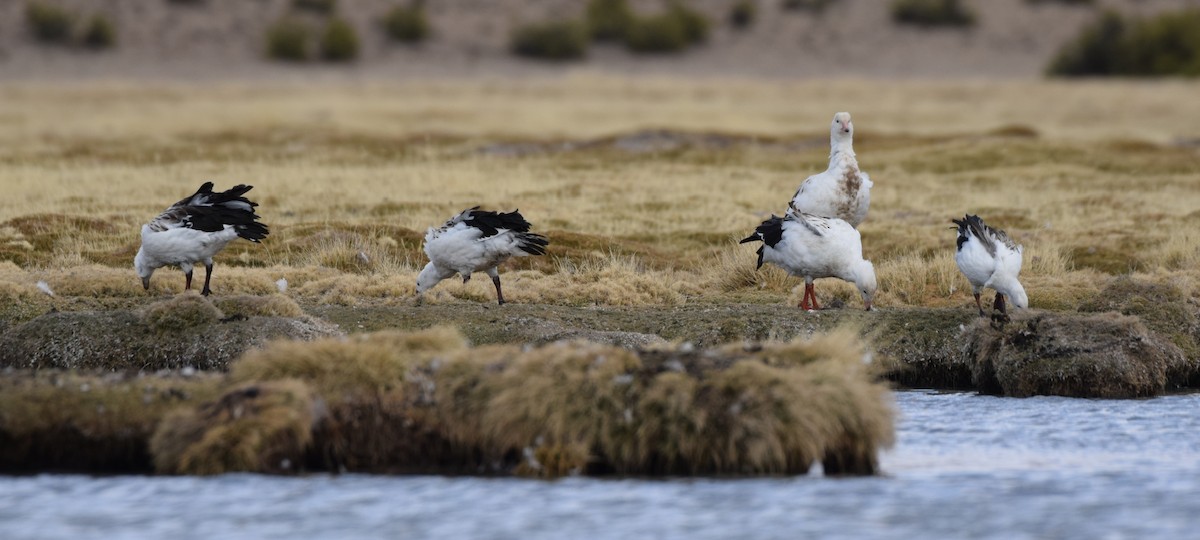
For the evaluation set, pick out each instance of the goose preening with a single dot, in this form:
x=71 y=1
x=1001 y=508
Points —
x=843 y=191
x=474 y=241
x=815 y=247
x=989 y=258
x=196 y=228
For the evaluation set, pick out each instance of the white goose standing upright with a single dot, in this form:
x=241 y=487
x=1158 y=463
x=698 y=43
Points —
x=196 y=228
x=475 y=241
x=989 y=258
x=815 y=247
x=842 y=191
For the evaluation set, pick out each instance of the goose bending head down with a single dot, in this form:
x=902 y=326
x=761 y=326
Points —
x=477 y=241
x=196 y=228
x=990 y=259
x=814 y=247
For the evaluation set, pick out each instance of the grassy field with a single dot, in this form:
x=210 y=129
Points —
x=642 y=186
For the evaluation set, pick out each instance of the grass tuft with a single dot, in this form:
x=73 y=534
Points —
x=185 y=311
x=581 y=407
x=262 y=428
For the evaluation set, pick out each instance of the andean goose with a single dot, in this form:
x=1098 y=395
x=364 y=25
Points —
x=196 y=228
x=989 y=258
x=842 y=191
x=814 y=247
x=475 y=241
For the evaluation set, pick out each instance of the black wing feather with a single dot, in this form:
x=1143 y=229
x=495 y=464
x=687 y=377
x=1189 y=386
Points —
x=490 y=223
x=770 y=232
x=973 y=226
x=532 y=243
x=211 y=212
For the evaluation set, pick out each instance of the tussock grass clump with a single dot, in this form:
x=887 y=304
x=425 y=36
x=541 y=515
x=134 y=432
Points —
x=425 y=402
x=67 y=421
x=1107 y=355
x=48 y=22
x=916 y=280
x=608 y=20
x=376 y=387
x=339 y=41
x=407 y=24
x=621 y=281
x=732 y=410
x=1164 y=309
x=243 y=306
x=554 y=40
x=264 y=428
x=348 y=368
x=289 y=39
x=932 y=13
x=185 y=311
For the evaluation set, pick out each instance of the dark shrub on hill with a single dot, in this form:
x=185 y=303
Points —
x=288 y=39
x=49 y=23
x=663 y=33
x=100 y=33
x=695 y=25
x=742 y=14
x=1064 y=2
x=608 y=20
x=1168 y=44
x=1094 y=52
x=932 y=13
x=324 y=7
x=339 y=41
x=815 y=6
x=407 y=24
x=554 y=40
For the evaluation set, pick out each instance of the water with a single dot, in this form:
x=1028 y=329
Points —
x=965 y=466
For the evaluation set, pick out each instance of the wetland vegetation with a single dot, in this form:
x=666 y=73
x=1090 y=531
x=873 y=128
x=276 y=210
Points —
x=643 y=188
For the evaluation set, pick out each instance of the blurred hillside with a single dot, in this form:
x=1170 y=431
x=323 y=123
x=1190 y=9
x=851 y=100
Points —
x=226 y=39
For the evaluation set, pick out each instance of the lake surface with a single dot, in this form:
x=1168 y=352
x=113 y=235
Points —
x=965 y=466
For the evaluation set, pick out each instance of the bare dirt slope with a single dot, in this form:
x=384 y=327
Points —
x=852 y=38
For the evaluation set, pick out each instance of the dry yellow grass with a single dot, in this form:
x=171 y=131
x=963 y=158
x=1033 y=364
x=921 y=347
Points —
x=349 y=176
x=573 y=407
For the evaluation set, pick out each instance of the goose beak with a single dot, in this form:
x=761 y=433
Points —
x=146 y=283
x=867 y=303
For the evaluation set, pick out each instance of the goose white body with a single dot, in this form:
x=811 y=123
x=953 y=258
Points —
x=814 y=247
x=476 y=241
x=843 y=190
x=990 y=259
x=195 y=229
